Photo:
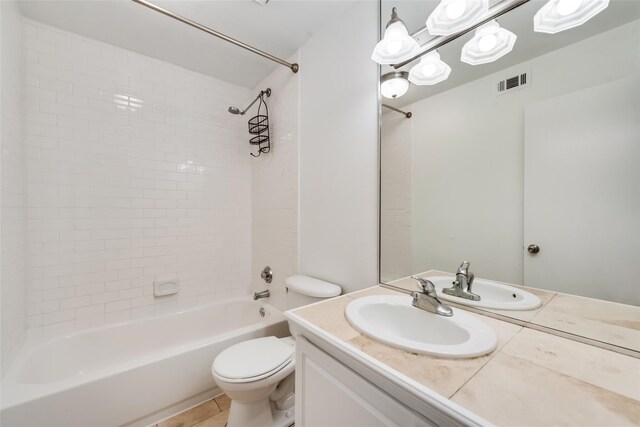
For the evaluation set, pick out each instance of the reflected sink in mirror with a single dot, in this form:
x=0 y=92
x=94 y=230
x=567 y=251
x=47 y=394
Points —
x=493 y=295
x=392 y=320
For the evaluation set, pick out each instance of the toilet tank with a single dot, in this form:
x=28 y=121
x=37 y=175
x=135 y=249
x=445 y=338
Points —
x=304 y=290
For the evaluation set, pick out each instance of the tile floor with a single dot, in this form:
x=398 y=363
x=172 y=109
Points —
x=212 y=413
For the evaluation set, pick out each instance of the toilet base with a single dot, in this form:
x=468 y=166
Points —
x=283 y=418
x=259 y=414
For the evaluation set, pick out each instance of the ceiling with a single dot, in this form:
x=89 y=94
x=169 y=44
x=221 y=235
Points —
x=279 y=28
x=520 y=21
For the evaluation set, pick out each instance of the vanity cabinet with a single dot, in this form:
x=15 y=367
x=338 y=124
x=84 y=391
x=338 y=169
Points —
x=329 y=393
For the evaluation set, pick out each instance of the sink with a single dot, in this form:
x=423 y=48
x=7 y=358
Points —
x=493 y=295
x=391 y=319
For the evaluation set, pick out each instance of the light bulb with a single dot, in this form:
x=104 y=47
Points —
x=567 y=7
x=455 y=9
x=451 y=16
x=561 y=15
x=487 y=42
x=490 y=43
x=394 y=46
x=428 y=70
x=431 y=70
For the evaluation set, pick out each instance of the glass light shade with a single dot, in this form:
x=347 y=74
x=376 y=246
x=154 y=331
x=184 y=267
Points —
x=394 y=85
x=430 y=70
x=451 y=16
x=396 y=45
x=489 y=43
x=560 y=15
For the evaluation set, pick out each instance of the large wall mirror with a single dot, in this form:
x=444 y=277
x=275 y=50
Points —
x=525 y=163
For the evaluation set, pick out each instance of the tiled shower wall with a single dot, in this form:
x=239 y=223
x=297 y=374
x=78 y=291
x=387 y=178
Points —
x=12 y=196
x=395 y=197
x=136 y=173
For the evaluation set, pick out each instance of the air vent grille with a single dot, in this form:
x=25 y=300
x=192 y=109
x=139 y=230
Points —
x=512 y=83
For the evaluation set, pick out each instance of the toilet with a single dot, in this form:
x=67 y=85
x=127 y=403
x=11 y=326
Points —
x=258 y=374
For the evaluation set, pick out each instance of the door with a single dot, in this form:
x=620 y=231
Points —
x=582 y=192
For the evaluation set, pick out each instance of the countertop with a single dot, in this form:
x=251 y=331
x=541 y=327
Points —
x=603 y=321
x=532 y=378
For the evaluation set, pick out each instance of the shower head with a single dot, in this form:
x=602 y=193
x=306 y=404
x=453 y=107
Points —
x=235 y=110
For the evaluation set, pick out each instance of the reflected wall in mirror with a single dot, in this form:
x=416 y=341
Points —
x=526 y=166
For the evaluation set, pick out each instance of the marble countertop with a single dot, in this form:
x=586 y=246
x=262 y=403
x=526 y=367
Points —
x=531 y=379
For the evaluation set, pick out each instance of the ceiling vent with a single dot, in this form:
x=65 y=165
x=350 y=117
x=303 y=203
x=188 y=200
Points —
x=515 y=82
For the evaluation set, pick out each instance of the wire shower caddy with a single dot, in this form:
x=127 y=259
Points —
x=259 y=126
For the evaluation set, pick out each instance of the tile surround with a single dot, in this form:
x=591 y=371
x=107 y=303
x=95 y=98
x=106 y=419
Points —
x=135 y=173
x=12 y=198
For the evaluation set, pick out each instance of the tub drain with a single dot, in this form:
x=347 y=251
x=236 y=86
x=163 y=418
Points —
x=262 y=312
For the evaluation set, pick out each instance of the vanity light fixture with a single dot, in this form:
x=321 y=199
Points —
x=489 y=43
x=394 y=84
x=451 y=16
x=397 y=44
x=430 y=70
x=560 y=15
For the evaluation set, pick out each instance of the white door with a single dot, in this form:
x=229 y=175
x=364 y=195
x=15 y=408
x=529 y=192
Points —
x=582 y=192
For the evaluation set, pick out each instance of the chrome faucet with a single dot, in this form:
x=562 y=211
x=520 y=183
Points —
x=261 y=294
x=462 y=285
x=428 y=300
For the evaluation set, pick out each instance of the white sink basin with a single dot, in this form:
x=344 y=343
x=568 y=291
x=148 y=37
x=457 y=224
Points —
x=392 y=319
x=493 y=295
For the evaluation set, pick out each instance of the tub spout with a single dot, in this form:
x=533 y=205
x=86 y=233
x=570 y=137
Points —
x=262 y=294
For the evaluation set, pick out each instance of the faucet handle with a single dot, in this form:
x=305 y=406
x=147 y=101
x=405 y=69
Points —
x=424 y=284
x=464 y=268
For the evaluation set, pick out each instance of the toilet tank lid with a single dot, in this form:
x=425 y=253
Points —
x=305 y=285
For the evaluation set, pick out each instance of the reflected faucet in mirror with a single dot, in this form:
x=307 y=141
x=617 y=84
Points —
x=427 y=299
x=462 y=285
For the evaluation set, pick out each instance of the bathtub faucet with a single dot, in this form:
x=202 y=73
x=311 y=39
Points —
x=261 y=294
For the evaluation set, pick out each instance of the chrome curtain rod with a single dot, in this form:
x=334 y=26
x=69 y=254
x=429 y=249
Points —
x=407 y=114
x=495 y=11
x=293 y=67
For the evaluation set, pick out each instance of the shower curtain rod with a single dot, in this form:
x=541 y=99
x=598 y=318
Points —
x=293 y=67
x=407 y=114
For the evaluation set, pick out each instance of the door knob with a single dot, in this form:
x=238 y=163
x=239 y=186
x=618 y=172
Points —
x=533 y=249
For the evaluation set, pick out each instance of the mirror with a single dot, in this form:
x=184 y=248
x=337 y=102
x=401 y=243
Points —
x=526 y=166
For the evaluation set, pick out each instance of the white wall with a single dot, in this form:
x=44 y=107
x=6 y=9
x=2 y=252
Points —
x=12 y=194
x=275 y=187
x=467 y=160
x=136 y=173
x=338 y=151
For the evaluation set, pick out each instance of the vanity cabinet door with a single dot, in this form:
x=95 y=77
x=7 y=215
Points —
x=330 y=394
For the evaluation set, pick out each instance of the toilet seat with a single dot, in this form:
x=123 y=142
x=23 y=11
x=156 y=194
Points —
x=254 y=360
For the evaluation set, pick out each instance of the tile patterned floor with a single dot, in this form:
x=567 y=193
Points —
x=212 y=413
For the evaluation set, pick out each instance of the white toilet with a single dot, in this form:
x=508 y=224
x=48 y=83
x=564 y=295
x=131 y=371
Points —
x=258 y=374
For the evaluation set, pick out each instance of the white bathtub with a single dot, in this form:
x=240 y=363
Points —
x=134 y=373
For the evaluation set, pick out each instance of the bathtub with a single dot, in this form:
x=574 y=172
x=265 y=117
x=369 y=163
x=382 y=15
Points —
x=131 y=374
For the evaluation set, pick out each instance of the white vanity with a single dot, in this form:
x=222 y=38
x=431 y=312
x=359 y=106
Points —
x=345 y=378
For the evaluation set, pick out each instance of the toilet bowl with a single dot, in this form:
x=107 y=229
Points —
x=258 y=374
x=249 y=373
